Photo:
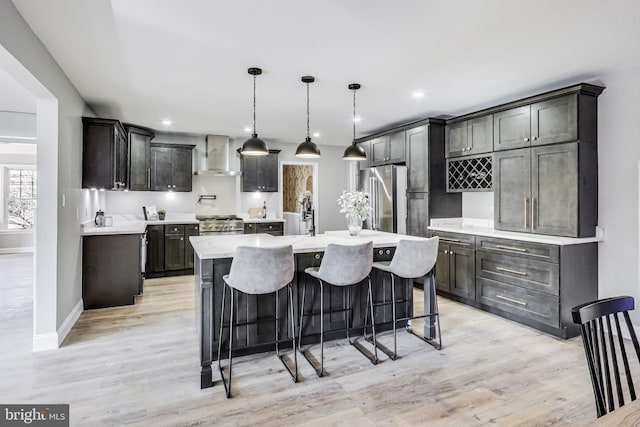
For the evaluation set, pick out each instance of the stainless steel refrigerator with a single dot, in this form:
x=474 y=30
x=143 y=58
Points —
x=387 y=189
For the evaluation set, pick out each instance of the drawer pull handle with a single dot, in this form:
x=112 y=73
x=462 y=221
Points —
x=515 y=301
x=508 y=270
x=511 y=248
x=317 y=256
x=447 y=239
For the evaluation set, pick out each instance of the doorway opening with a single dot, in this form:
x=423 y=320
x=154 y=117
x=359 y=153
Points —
x=299 y=189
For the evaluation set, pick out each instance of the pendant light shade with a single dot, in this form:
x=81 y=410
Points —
x=308 y=149
x=354 y=151
x=254 y=146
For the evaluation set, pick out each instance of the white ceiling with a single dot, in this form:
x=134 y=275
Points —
x=145 y=60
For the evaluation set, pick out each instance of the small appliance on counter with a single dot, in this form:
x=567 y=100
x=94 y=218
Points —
x=99 y=219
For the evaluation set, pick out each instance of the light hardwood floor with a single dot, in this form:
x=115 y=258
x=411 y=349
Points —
x=138 y=365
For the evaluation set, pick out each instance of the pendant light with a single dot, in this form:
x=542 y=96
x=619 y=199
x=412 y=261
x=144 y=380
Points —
x=354 y=151
x=308 y=149
x=254 y=146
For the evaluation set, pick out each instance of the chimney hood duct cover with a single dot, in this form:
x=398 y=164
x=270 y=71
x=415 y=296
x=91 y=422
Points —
x=217 y=152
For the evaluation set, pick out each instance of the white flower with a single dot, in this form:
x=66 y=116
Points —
x=355 y=203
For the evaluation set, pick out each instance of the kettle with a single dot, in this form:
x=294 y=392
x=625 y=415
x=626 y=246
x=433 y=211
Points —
x=99 y=219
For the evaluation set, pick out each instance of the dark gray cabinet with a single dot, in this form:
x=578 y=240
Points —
x=455 y=265
x=551 y=121
x=417 y=214
x=155 y=249
x=171 y=167
x=260 y=173
x=275 y=228
x=174 y=244
x=550 y=189
x=189 y=230
x=417 y=159
x=388 y=149
x=139 y=158
x=105 y=154
x=469 y=137
x=364 y=164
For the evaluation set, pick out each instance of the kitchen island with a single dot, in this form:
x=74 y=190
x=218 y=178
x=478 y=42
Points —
x=213 y=256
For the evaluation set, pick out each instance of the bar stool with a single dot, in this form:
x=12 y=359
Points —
x=342 y=265
x=258 y=271
x=414 y=259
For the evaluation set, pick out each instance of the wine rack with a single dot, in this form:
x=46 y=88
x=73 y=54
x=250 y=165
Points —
x=469 y=174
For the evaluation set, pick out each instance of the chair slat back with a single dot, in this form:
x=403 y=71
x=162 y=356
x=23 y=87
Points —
x=597 y=320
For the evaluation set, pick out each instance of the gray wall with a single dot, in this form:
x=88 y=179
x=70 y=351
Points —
x=59 y=130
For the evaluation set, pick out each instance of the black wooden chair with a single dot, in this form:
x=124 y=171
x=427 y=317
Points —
x=596 y=320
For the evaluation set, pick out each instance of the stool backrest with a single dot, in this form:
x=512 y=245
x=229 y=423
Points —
x=414 y=258
x=607 y=361
x=344 y=265
x=261 y=270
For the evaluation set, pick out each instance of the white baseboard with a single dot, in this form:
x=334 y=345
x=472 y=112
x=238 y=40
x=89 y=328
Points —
x=71 y=320
x=54 y=340
x=16 y=250
x=43 y=342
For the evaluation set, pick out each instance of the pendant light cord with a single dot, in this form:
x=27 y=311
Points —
x=254 y=104
x=307 y=110
x=354 y=116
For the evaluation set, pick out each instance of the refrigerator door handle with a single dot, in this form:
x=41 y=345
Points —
x=376 y=212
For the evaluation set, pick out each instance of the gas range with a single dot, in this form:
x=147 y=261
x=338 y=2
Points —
x=211 y=225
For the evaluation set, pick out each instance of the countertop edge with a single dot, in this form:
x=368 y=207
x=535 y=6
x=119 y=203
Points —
x=525 y=237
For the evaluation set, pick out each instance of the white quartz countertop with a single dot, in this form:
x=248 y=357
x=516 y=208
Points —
x=134 y=224
x=215 y=247
x=253 y=220
x=480 y=230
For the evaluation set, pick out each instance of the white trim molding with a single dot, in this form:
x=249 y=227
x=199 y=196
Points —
x=26 y=249
x=54 y=340
x=71 y=320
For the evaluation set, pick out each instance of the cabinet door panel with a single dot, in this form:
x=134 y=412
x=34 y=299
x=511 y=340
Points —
x=161 y=168
x=555 y=120
x=512 y=128
x=139 y=169
x=442 y=268
x=155 y=248
x=554 y=188
x=417 y=214
x=181 y=169
x=366 y=146
x=397 y=143
x=480 y=135
x=189 y=230
x=268 y=175
x=174 y=251
x=378 y=151
x=456 y=139
x=512 y=189
x=462 y=268
x=417 y=160
x=250 y=166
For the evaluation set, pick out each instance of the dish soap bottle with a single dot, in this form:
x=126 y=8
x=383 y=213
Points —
x=264 y=210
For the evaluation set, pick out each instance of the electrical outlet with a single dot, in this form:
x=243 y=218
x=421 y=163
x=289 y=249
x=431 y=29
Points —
x=64 y=200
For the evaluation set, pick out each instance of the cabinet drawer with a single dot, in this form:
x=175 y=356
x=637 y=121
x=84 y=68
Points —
x=174 y=229
x=269 y=227
x=465 y=240
x=249 y=228
x=192 y=229
x=526 y=273
x=520 y=302
x=539 y=251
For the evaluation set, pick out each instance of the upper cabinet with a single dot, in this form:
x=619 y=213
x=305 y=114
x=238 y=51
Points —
x=171 y=167
x=105 y=154
x=551 y=121
x=417 y=159
x=387 y=149
x=260 y=173
x=139 y=157
x=473 y=136
x=364 y=164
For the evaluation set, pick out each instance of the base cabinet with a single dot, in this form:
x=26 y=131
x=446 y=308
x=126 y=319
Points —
x=531 y=283
x=272 y=228
x=169 y=251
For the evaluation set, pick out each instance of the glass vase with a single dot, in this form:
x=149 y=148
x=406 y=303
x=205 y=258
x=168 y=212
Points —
x=354 y=224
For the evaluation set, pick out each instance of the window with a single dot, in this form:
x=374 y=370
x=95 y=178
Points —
x=21 y=198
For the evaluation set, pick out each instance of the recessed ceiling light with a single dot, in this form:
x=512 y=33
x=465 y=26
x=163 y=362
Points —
x=316 y=134
x=357 y=119
x=167 y=122
x=418 y=94
x=247 y=129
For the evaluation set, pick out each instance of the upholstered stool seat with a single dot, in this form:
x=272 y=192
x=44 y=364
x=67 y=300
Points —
x=414 y=259
x=342 y=265
x=258 y=271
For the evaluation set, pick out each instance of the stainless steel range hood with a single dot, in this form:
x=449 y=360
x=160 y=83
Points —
x=217 y=152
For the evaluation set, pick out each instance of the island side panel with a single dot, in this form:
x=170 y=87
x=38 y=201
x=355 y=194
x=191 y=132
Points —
x=203 y=272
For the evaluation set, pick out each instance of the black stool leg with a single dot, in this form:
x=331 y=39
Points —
x=368 y=311
x=294 y=376
x=305 y=352
x=227 y=386
x=433 y=316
